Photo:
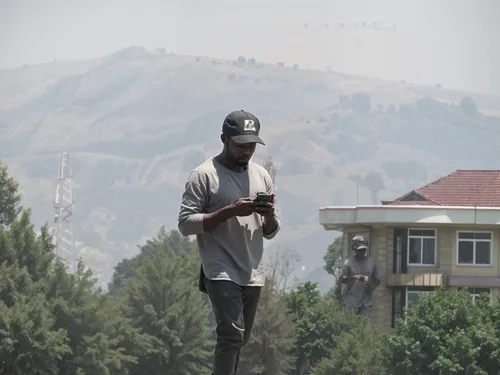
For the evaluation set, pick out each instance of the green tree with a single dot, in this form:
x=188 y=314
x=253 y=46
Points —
x=374 y=182
x=333 y=264
x=358 y=180
x=316 y=332
x=170 y=243
x=100 y=337
x=171 y=313
x=9 y=197
x=20 y=245
x=447 y=333
x=280 y=267
x=29 y=344
x=269 y=350
x=361 y=351
x=27 y=335
x=299 y=302
x=272 y=340
x=53 y=322
x=302 y=298
x=320 y=322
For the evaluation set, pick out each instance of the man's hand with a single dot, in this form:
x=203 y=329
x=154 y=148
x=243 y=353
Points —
x=243 y=207
x=265 y=209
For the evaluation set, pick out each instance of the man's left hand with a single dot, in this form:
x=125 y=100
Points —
x=265 y=209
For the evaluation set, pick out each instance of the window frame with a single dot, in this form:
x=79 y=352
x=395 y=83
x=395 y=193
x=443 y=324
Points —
x=474 y=264
x=398 y=311
x=409 y=237
x=408 y=291
x=476 y=295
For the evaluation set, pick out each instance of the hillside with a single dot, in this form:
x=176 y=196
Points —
x=136 y=122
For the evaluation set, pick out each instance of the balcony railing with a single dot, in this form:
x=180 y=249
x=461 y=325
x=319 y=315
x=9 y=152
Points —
x=415 y=279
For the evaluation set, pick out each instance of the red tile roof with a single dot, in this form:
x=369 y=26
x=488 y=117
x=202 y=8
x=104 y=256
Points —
x=460 y=188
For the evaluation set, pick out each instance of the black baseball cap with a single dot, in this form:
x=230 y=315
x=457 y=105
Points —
x=242 y=127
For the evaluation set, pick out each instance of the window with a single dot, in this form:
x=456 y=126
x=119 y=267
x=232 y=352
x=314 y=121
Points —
x=398 y=296
x=476 y=292
x=414 y=197
x=404 y=296
x=422 y=247
x=412 y=296
x=474 y=248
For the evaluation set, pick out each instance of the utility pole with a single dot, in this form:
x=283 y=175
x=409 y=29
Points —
x=63 y=216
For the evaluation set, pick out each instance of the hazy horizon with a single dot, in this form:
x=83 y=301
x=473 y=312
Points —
x=452 y=43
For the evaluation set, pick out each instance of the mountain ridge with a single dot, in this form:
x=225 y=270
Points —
x=136 y=122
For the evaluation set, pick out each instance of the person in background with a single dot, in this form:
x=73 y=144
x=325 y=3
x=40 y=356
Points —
x=218 y=207
x=360 y=276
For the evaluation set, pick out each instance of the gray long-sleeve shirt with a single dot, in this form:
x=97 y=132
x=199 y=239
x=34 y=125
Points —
x=233 y=250
x=356 y=293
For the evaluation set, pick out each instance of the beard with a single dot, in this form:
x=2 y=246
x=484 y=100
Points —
x=243 y=164
x=236 y=161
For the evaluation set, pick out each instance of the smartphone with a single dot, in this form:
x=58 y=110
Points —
x=263 y=198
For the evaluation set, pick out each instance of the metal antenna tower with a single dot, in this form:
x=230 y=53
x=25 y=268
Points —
x=63 y=216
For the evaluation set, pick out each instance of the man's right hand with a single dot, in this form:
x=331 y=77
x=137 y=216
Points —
x=356 y=277
x=243 y=207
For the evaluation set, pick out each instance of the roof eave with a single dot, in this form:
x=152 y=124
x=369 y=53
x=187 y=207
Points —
x=342 y=217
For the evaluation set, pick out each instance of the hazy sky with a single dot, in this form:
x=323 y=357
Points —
x=452 y=42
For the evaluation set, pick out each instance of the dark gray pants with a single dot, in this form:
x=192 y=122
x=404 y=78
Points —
x=234 y=307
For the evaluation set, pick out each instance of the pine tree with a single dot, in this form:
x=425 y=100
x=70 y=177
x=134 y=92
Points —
x=299 y=302
x=360 y=351
x=9 y=197
x=29 y=341
x=163 y=302
x=272 y=340
x=99 y=335
x=29 y=344
x=170 y=243
x=52 y=322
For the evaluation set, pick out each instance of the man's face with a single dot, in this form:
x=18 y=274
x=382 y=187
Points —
x=240 y=153
x=360 y=253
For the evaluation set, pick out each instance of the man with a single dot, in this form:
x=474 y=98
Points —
x=217 y=206
x=360 y=276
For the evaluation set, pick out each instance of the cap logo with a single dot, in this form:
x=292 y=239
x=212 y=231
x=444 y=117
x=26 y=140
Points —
x=249 y=126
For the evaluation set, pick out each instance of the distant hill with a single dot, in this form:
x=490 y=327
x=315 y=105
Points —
x=136 y=122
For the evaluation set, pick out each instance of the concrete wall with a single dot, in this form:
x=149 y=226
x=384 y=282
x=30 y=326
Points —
x=381 y=249
x=382 y=246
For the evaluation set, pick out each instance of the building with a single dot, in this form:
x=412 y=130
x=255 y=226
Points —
x=445 y=233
